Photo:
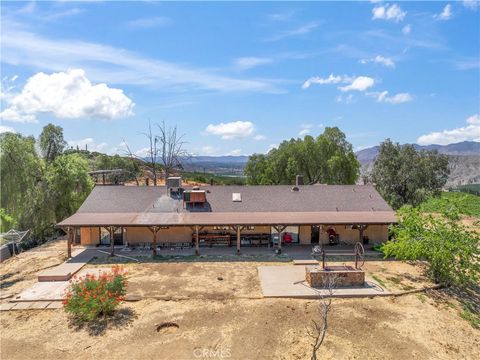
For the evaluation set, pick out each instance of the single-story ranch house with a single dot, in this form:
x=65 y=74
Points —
x=237 y=216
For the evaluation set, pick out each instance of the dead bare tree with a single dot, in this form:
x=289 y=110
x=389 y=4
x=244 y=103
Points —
x=171 y=150
x=150 y=161
x=318 y=330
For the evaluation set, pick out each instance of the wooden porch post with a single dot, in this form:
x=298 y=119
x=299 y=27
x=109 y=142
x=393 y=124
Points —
x=279 y=231
x=154 y=230
x=69 y=242
x=197 y=245
x=238 y=239
x=361 y=229
x=111 y=231
x=320 y=236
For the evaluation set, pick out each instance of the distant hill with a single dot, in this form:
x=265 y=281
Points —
x=218 y=165
x=464 y=160
x=461 y=148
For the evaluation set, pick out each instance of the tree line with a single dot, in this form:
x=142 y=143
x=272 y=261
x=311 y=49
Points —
x=39 y=188
x=401 y=174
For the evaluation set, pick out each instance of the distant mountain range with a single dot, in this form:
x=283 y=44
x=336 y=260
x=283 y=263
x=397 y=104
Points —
x=464 y=162
x=461 y=148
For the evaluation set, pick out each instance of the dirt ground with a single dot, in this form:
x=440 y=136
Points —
x=220 y=314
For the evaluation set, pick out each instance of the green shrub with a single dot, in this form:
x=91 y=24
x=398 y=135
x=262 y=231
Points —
x=91 y=296
x=450 y=249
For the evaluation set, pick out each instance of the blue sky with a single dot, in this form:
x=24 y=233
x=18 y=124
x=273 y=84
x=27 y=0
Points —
x=239 y=78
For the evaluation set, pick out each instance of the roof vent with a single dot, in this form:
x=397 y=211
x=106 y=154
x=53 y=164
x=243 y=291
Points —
x=174 y=183
x=295 y=188
x=196 y=188
x=236 y=197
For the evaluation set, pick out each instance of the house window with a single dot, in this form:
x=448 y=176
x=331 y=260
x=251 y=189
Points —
x=250 y=227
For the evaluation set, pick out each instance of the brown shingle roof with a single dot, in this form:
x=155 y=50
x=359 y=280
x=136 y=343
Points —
x=312 y=204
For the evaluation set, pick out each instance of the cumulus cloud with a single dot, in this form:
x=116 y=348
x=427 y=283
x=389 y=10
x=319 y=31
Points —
x=470 y=132
x=68 y=95
x=331 y=79
x=388 y=12
x=446 y=14
x=245 y=63
x=385 y=61
x=395 y=99
x=87 y=143
x=407 y=29
x=231 y=130
x=360 y=83
x=5 y=129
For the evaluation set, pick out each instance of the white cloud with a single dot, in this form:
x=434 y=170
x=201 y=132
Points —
x=471 y=4
x=470 y=132
x=87 y=142
x=231 y=130
x=446 y=14
x=388 y=12
x=150 y=22
x=385 y=61
x=66 y=95
x=245 y=63
x=331 y=79
x=114 y=65
x=13 y=115
x=259 y=137
x=399 y=98
x=5 y=129
x=407 y=29
x=360 y=83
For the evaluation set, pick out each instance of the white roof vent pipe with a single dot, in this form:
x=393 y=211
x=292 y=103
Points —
x=236 y=197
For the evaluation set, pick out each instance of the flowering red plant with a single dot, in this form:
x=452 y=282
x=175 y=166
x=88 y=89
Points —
x=91 y=296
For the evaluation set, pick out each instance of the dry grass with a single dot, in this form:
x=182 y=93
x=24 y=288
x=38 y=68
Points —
x=219 y=310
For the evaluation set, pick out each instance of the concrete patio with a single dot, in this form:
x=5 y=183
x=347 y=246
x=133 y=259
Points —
x=289 y=282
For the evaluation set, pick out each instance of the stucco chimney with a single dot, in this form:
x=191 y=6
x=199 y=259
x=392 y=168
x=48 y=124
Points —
x=299 y=180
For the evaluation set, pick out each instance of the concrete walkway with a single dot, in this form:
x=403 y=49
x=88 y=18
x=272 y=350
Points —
x=289 y=282
x=52 y=290
x=65 y=271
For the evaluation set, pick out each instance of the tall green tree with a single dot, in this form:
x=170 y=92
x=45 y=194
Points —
x=51 y=142
x=327 y=159
x=22 y=187
x=404 y=175
x=68 y=184
x=36 y=194
x=450 y=249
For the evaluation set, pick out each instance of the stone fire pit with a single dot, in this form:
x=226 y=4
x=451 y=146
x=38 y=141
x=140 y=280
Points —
x=318 y=277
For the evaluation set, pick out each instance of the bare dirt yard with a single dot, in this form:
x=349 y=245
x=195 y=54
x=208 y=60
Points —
x=215 y=310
